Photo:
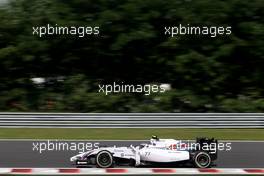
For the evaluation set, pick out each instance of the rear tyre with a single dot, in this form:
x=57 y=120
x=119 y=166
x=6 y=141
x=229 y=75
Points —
x=132 y=162
x=202 y=160
x=104 y=159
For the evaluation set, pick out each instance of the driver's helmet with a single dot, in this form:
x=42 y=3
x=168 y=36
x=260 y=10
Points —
x=155 y=137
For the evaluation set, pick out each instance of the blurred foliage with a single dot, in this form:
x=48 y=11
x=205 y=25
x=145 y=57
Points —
x=222 y=74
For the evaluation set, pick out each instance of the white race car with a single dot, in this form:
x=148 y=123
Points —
x=158 y=151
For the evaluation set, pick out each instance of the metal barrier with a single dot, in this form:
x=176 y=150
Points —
x=132 y=120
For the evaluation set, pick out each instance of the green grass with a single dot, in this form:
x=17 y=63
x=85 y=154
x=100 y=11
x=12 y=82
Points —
x=129 y=134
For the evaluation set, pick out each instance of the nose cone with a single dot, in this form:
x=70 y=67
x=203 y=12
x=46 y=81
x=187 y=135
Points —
x=74 y=158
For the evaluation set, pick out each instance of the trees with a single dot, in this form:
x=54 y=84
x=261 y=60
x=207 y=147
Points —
x=222 y=74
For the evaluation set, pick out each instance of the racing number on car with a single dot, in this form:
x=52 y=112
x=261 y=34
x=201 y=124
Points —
x=147 y=153
x=172 y=147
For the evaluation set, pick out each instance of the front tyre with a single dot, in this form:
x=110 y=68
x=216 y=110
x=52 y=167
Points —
x=202 y=160
x=104 y=159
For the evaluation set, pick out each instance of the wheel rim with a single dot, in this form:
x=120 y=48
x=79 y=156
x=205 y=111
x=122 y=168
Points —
x=203 y=160
x=104 y=159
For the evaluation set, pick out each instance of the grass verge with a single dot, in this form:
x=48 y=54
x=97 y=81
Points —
x=128 y=134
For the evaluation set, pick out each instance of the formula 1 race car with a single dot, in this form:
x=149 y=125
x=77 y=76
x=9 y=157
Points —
x=158 y=151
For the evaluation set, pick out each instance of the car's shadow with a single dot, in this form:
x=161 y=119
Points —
x=150 y=166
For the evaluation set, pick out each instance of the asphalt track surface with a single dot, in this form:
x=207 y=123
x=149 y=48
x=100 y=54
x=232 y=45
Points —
x=20 y=153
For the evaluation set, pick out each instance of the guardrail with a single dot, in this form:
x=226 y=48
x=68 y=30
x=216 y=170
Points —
x=132 y=120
